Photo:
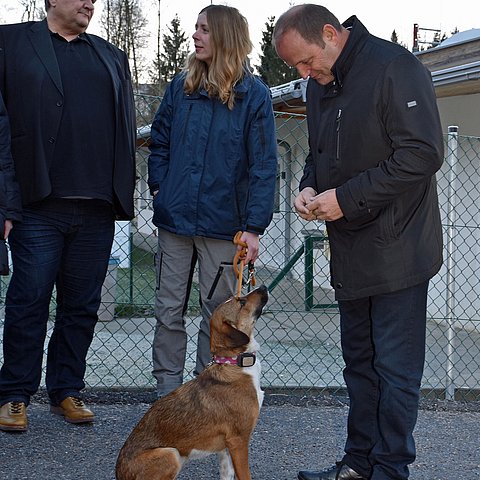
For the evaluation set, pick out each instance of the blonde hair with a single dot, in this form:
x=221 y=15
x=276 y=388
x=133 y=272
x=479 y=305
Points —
x=231 y=44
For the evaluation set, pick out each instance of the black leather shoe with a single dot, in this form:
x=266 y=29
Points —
x=338 y=472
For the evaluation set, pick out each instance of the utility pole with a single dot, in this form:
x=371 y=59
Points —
x=417 y=42
x=159 y=39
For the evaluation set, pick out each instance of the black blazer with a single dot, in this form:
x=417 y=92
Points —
x=10 y=204
x=32 y=90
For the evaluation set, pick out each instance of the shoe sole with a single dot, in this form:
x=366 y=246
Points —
x=13 y=428
x=59 y=411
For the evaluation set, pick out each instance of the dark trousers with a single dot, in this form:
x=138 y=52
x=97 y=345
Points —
x=383 y=344
x=64 y=244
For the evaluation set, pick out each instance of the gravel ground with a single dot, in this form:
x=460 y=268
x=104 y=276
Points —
x=292 y=433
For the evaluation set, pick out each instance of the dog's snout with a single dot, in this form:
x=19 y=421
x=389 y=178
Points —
x=260 y=297
x=262 y=292
x=263 y=289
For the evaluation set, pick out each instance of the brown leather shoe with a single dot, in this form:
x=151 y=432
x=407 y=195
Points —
x=74 y=410
x=13 y=417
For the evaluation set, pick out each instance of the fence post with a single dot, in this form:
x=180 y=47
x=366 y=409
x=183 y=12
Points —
x=106 y=311
x=288 y=203
x=452 y=160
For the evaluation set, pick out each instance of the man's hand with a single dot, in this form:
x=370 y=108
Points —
x=303 y=199
x=324 y=206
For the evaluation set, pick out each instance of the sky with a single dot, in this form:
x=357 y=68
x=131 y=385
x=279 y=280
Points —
x=380 y=18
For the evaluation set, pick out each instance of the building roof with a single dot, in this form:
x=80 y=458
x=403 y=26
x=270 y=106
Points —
x=290 y=97
x=455 y=64
x=461 y=37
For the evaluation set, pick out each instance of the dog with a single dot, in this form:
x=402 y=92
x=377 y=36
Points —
x=214 y=413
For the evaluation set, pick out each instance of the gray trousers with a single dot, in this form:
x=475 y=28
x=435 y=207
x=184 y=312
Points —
x=175 y=262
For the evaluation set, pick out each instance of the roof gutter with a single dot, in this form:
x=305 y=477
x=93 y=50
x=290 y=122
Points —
x=460 y=73
x=289 y=91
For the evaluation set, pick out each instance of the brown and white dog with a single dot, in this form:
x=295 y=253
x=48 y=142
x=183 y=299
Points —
x=214 y=413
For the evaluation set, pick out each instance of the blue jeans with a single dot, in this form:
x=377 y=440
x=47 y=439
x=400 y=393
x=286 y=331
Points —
x=66 y=244
x=383 y=344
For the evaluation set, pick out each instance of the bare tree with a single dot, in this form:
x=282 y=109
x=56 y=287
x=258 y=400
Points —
x=124 y=25
x=158 y=57
x=32 y=10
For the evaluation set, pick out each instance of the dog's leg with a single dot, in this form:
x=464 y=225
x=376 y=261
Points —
x=226 y=466
x=158 y=464
x=239 y=454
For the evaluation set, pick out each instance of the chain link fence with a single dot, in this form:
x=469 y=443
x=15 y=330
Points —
x=299 y=330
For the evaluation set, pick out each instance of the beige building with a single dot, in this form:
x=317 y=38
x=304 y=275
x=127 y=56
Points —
x=455 y=67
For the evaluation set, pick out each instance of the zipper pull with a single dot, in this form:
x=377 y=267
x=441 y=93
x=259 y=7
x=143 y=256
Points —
x=339 y=116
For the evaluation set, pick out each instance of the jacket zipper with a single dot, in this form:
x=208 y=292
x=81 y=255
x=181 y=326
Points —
x=184 y=134
x=337 y=120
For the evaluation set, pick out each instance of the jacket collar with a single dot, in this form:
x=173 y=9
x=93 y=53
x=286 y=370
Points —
x=241 y=88
x=357 y=38
x=40 y=37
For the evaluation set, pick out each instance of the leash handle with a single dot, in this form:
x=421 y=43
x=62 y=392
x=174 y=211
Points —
x=239 y=259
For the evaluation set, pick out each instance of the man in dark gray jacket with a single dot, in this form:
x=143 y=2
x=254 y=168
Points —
x=375 y=144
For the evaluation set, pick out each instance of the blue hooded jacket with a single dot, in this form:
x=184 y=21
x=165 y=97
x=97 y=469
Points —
x=214 y=168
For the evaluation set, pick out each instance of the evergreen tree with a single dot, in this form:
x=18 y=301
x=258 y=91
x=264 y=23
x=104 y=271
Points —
x=394 y=39
x=174 y=54
x=273 y=69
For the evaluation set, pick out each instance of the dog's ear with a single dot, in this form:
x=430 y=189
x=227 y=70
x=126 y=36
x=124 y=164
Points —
x=234 y=337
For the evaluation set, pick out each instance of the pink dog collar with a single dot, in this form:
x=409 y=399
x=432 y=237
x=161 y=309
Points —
x=243 y=360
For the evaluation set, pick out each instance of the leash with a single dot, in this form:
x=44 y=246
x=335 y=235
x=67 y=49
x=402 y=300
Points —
x=239 y=259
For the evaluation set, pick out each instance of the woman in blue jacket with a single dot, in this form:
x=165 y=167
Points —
x=212 y=171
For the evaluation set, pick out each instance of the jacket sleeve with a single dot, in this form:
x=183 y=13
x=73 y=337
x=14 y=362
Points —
x=409 y=114
x=308 y=177
x=10 y=201
x=262 y=152
x=160 y=140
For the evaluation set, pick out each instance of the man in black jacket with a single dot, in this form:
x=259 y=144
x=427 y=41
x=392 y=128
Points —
x=70 y=102
x=375 y=144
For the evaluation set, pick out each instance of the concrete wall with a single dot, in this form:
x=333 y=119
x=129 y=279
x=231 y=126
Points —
x=463 y=111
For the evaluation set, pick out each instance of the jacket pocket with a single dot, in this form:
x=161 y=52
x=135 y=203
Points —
x=220 y=280
x=388 y=225
x=158 y=269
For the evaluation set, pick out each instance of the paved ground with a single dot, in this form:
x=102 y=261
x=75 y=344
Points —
x=291 y=434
